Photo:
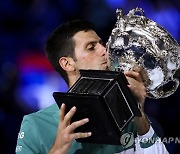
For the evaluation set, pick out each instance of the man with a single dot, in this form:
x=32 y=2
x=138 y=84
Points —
x=71 y=47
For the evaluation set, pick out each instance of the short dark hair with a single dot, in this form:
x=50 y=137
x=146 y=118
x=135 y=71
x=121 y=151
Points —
x=60 y=43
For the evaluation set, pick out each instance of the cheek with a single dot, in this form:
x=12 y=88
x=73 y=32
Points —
x=84 y=63
x=87 y=61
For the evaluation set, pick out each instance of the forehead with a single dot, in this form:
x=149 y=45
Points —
x=83 y=37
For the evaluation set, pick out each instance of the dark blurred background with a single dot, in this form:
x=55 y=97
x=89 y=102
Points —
x=26 y=78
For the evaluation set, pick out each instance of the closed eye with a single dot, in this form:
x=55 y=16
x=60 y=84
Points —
x=91 y=46
x=91 y=49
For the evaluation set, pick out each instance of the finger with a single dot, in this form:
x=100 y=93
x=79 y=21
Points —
x=80 y=135
x=134 y=75
x=69 y=115
x=139 y=92
x=73 y=136
x=62 y=112
x=77 y=124
x=131 y=81
x=136 y=85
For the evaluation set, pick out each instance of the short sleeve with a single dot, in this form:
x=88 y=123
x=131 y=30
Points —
x=27 y=141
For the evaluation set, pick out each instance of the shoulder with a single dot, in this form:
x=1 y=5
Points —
x=38 y=130
x=49 y=115
x=40 y=118
x=46 y=111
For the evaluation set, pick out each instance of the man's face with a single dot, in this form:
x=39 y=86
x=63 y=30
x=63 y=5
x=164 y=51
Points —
x=89 y=51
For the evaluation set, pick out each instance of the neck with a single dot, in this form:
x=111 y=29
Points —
x=73 y=78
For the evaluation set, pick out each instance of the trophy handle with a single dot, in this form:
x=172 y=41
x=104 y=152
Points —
x=173 y=89
x=162 y=92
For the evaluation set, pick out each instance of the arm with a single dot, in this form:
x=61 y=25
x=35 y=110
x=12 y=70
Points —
x=65 y=134
x=138 y=90
x=147 y=141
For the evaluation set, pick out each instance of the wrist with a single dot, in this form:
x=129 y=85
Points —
x=142 y=124
x=57 y=151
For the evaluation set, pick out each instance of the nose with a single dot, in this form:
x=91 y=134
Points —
x=102 y=50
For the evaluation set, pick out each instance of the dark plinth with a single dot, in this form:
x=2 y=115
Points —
x=104 y=98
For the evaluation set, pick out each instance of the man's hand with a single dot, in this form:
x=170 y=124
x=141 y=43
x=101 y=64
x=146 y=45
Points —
x=136 y=86
x=65 y=134
x=138 y=90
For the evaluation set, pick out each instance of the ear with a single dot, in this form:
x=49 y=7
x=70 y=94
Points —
x=67 y=63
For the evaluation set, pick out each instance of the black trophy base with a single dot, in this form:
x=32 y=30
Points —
x=104 y=98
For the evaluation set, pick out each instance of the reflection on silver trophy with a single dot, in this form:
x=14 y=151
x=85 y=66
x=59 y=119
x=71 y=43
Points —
x=138 y=43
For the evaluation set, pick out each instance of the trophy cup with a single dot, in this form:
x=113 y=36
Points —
x=138 y=43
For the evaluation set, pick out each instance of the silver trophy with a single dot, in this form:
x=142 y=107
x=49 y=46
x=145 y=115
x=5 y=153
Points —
x=138 y=43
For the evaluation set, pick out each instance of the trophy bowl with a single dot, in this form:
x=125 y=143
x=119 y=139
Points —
x=138 y=43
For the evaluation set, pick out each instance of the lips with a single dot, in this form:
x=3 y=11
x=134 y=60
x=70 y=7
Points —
x=104 y=62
